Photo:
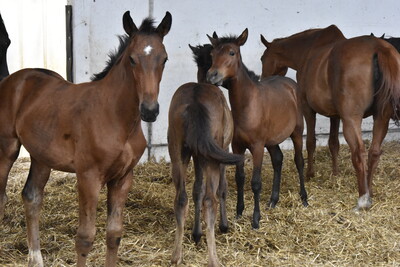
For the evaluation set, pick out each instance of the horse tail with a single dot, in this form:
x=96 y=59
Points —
x=199 y=138
x=387 y=81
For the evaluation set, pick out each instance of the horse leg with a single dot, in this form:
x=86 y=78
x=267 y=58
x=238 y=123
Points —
x=210 y=211
x=334 y=144
x=197 y=194
x=116 y=197
x=379 y=132
x=222 y=192
x=309 y=116
x=89 y=187
x=297 y=138
x=9 y=149
x=258 y=152
x=32 y=195
x=277 y=159
x=180 y=205
x=352 y=133
x=239 y=178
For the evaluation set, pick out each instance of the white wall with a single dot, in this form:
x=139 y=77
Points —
x=192 y=20
x=96 y=23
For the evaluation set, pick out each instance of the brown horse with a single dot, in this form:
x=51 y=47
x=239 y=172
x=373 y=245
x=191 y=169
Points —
x=200 y=126
x=345 y=79
x=92 y=129
x=265 y=113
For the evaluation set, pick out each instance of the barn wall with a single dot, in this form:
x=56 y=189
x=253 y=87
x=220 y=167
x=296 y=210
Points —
x=98 y=23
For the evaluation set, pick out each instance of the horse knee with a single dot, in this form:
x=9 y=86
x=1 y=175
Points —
x=256 y=185
x=181 y=200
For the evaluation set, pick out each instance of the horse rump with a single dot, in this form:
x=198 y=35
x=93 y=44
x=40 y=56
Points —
x=198 y=136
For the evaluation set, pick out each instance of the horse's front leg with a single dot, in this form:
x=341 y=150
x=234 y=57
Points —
x=222 y=192
x=116 y=197
x=334 y=144
x=89 y=186
x=277 y=159
x=257 y=151
x=239 y=178
x=32 y=196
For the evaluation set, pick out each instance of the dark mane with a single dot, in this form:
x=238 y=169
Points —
x=201 y=55
x=227 y=39
x=112 y=57
x=147 y=27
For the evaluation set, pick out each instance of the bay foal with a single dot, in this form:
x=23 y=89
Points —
x=265 y=113
x=92 y=129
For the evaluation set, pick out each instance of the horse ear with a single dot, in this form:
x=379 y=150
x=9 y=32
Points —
x=265 y=42
x=129 y=26
x=383 y=36
x=165 y=25
x=241 y=40
x=194 y=49
x=215 y=36
x=214 y=41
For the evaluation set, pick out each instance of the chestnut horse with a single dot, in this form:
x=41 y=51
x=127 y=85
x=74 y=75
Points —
x=346 y=79
x=200 y=126
x=92 y=129
x=265 y=113
x=4 y=44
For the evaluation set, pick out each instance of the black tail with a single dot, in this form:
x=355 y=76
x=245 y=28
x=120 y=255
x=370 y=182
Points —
x=199 y=139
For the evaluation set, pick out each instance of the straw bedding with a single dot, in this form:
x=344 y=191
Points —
x=327 y=233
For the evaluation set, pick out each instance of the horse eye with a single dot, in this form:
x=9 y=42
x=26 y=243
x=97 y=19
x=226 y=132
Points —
x=231 y=53
x=133 y=63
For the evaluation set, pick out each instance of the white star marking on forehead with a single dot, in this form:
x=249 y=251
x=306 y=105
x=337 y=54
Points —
x=147 y=50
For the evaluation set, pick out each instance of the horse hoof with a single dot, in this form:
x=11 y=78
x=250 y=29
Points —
x=272 y=205
x=364 y=202
x=196 y=237
x=223 y=228
x=305 y=203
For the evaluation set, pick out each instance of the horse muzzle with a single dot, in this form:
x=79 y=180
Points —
x=215 y=77
x=149 y=112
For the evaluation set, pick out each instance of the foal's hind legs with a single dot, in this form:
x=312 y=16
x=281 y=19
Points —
x=379 y=132
x=277 y=159
x=198 y=195
x=352 y=133
x=32 y=195
x=180 y=205
x=116 y=197
x=334 y=144
x=210 y=211
x=309 y=116
x=9 y=149
x=222 y=192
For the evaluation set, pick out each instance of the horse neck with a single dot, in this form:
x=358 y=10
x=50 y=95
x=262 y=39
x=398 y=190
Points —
x=241 y=90
x=119 y=90
x=201 y=75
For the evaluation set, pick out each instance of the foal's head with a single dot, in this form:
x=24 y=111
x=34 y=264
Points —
x=226 y=58
x=202 y=57
x=271 y=59
x=146 y=58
